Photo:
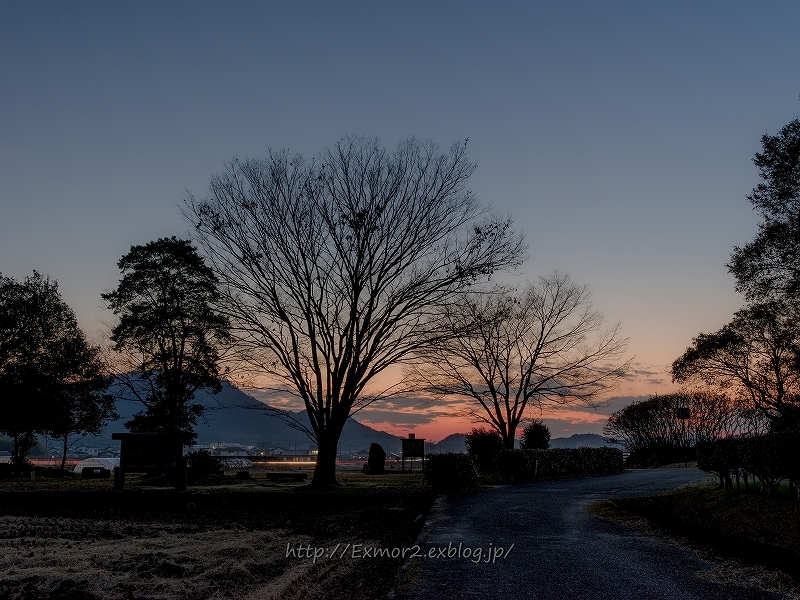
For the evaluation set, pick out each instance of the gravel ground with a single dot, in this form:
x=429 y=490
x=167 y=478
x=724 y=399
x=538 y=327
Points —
x=560 y=551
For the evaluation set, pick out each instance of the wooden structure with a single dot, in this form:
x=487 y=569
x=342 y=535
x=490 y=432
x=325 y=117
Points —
x=150 y=453
x=413 y=447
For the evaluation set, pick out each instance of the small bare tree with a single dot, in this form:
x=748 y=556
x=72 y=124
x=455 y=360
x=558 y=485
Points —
x=335 y=269
x=543 y=347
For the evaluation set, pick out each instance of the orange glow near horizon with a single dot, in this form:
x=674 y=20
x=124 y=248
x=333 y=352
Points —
x=434 y=420
x=439 y=428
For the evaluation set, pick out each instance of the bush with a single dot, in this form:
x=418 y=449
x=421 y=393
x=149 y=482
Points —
x=202 y=464
x=483 y=445
x=535 y=436
x=451 y=472
x=519 y=466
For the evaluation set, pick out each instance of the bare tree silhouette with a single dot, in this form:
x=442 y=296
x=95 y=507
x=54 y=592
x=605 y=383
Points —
x=545 y=346
x=335 y=269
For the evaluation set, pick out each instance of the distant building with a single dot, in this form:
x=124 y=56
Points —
x=233 y=450
x=87 y=450
x=109 y=452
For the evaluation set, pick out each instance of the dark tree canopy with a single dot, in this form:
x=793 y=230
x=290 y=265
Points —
x=332 y=267
x=756 y=356
x=46 y=366
x=758 y=353
x=80 y=405
x=768 y=267
x=169 y=333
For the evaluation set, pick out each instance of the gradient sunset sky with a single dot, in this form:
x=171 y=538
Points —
x=618 y=135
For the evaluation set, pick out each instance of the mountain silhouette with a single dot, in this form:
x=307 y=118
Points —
x=234 y=417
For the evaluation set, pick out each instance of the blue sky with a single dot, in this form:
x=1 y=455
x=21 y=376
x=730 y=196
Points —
x=619 y=135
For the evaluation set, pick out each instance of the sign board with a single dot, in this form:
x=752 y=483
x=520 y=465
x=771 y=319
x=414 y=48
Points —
x=413 y=448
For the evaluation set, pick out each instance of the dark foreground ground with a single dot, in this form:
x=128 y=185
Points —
x=560 y=551
x=245 y=540
x=742 y=524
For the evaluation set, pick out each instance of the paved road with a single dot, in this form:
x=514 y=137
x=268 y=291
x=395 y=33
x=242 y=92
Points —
x=560 y=551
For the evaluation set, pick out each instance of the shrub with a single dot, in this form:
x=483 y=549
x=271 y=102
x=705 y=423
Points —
x=535 y=436
x=483 y=445
x=451 y=472
x=202 y=464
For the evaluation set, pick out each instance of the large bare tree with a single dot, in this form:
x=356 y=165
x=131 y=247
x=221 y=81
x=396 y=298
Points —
x=543 y=347
x=335 y=269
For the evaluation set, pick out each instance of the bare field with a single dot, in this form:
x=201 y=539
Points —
x=229 y=543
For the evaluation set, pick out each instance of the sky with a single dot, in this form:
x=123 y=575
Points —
x=619 y=137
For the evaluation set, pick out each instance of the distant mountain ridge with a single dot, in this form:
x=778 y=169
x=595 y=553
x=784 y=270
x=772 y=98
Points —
x=455 y=442
x=580 y=440
x=237 y=418
x=234 y=417
x=452 y=443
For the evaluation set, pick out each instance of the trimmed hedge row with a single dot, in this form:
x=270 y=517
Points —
x=519 y=466
x=768 y=458
x=451 y=472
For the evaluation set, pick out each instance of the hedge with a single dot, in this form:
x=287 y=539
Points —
x=519 y=466
x=769 y=458
x=451 y=472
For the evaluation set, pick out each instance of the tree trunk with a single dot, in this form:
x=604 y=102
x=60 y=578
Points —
x=16 y=465
x=19 y=453
x=64 y=455
x=325 y=469
x=508 y=440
